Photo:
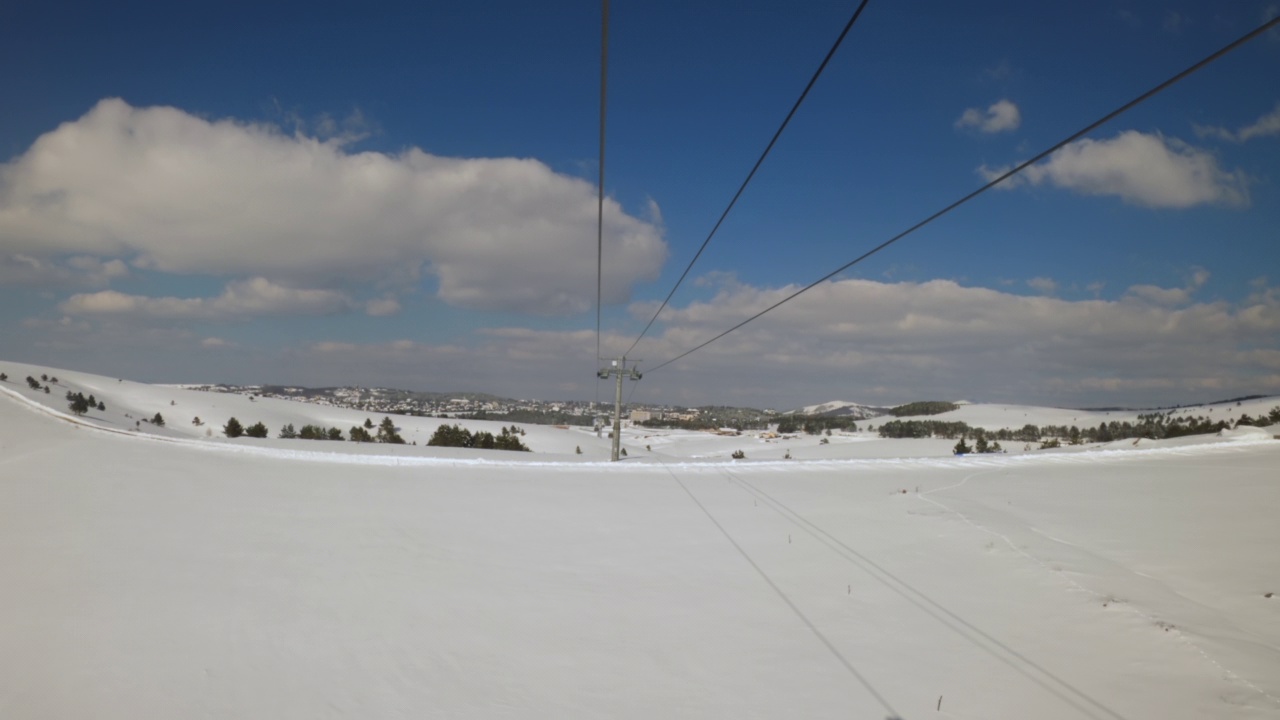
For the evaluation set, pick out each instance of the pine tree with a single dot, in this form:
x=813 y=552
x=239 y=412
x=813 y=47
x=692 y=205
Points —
x=256 y=430
x=387 y=432
x=4 y=378
x=233 y=428
x=102 y=407
x=961 y=448
x=287 y=432
x=79 y=406
x=981 y=445
x=158 y=420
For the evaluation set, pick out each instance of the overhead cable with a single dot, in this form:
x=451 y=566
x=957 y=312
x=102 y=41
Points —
x=830 y=53
x=604 y=86
x=1004 y=176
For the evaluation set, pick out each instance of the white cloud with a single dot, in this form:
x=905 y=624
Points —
x=1169 y=297
x=1043 y=285
x=1003 y=116
x=1142 y=169
x=874 y=341
x=168 y=191
x=77 y=270
x=1264 y=126
x=382 y=307
x=947 y=340
x=215 y=342
x=1174 y=22
x=860 y=340
x=241 y=299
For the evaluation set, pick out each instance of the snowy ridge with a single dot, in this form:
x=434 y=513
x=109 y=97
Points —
x=1197 y=445
x=365 y=580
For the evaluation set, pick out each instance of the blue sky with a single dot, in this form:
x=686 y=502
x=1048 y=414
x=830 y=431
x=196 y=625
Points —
x=405 y=196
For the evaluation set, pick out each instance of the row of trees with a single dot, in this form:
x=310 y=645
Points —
x=1154 y=426
x=386 y=431
x=927 y=407
x=80 y=405
x=979 y=446
x=455 y=436
x=816 y=424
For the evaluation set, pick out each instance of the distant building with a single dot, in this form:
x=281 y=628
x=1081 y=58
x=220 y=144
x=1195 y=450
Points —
x=644 y=415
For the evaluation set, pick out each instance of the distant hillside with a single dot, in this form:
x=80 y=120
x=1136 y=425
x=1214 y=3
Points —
x=841 y=408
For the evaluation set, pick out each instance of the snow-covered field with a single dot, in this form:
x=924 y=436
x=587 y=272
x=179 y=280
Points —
x=163 y=572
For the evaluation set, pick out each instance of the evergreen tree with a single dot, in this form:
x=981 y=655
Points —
x=102 y=407
x=981 y=445
x=961 y=448
x=387 y=432
x=158 y=420
x=287 y=432
x=360 y=435
x=233 y=428
x=256 y=430
x=79 y=406
x=368 y=424
x=335 y=434
x=4 y=378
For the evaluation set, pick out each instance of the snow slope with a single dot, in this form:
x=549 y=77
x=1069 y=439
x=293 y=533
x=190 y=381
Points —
x=164 y=574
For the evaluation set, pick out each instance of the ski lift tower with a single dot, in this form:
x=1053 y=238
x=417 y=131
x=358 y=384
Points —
x=618 y=368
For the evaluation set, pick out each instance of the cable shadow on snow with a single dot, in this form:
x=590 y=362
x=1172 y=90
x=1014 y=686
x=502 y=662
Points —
x=1064 y=690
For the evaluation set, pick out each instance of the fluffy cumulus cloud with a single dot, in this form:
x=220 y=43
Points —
x=1264 y=126
x=895 y=341
x=1043 y=285
x=164 y=190
x=862 y=340
x=239 y=300
x=1003 y=116
x=1140 y=168
x=875 y=342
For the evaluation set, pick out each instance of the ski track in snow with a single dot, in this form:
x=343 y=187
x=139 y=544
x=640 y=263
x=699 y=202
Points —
x=1077 y=587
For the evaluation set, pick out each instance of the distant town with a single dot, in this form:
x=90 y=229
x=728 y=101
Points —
x=481 y=406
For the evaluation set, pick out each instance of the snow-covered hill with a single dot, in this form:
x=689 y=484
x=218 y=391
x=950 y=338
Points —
x=840 y=408
x=167 y=572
